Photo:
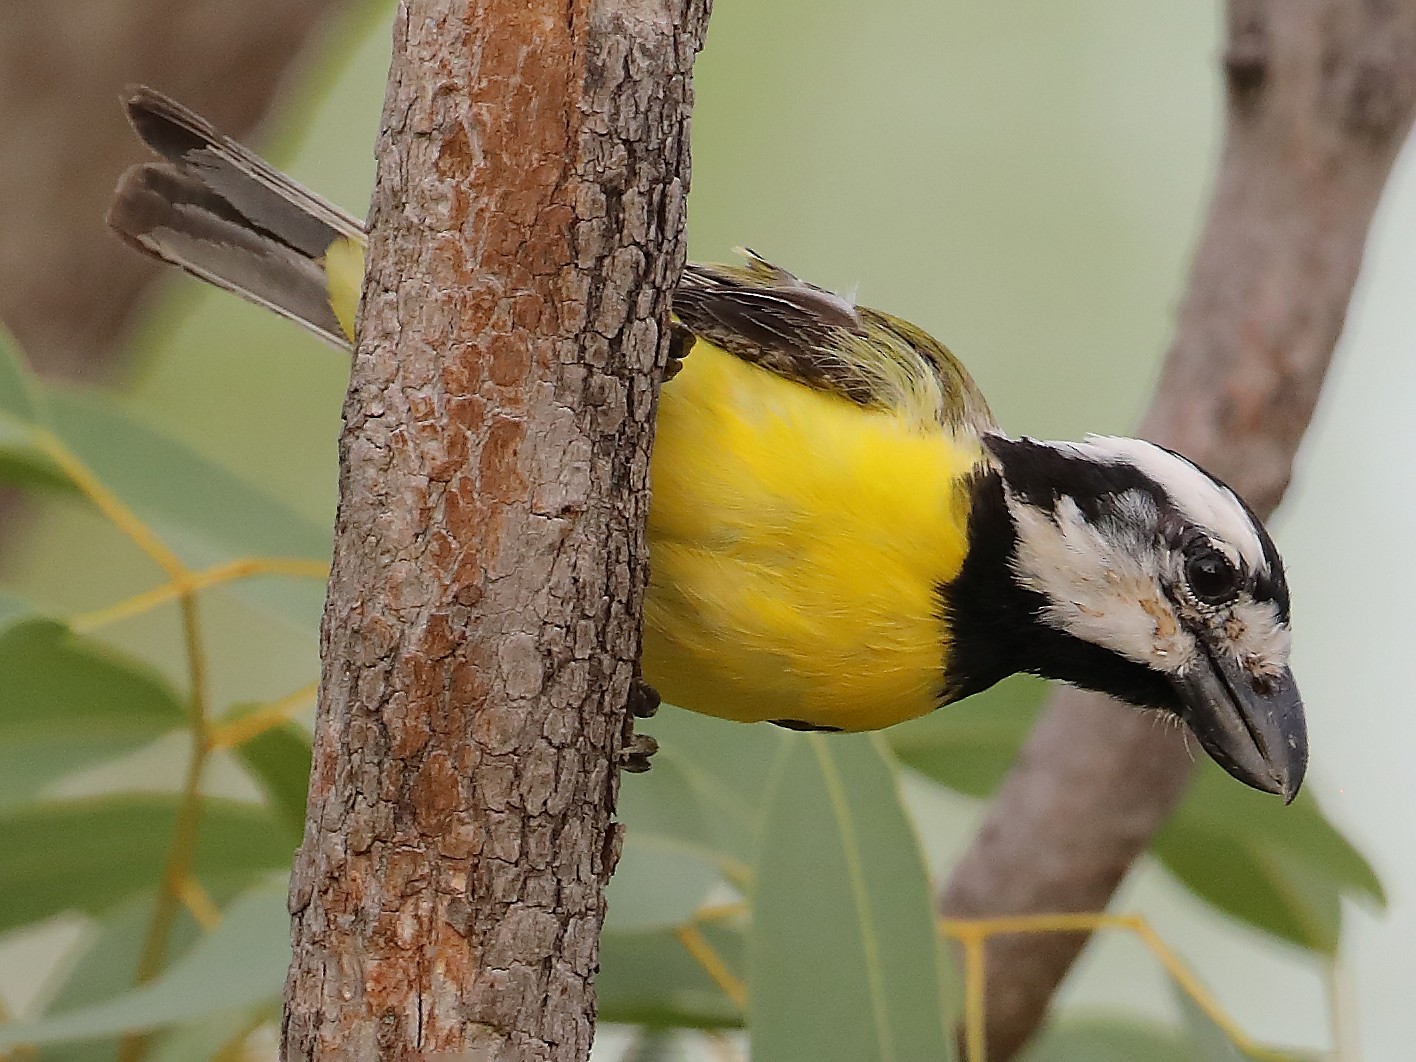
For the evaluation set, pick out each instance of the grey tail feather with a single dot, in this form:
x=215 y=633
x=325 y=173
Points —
x=227 y=217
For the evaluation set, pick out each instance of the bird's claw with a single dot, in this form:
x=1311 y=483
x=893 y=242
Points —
x=680 y=340
x=644 y=700
x=634 y=757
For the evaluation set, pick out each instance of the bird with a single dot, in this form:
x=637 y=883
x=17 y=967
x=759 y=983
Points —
x=841 y=537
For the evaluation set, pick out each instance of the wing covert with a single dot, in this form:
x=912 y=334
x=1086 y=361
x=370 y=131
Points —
x=766 y=316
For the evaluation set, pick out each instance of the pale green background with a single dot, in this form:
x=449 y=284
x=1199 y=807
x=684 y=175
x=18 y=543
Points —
x=1026 y=181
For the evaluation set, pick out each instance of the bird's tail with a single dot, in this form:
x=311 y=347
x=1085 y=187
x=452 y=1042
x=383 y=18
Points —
x=226 y=216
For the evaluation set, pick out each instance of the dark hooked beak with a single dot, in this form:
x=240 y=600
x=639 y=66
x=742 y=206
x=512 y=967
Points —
x=1254 y=728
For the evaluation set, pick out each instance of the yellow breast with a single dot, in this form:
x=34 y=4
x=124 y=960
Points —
x=797 y=542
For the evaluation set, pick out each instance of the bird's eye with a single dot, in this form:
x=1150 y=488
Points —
x=1211 y=577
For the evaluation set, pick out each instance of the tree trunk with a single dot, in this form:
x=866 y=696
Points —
x=482 y=627
x=1321 y=97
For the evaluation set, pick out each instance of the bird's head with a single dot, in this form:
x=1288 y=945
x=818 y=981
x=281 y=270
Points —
x=1138 y=574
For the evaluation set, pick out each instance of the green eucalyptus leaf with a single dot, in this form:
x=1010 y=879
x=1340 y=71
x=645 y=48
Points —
x=240 y=965
x=12 y=610
x=969 y=746
x=205 y=513
x=22 y=411
x=1283 y=870
x=845 y=958
x=206 y=1038
x=1209 y=1043
x=669 y=862
x=20 y=392
x=69 y=702
x=648 y=977
x=1107 y=1040
x=727 y=766
x=279 y=759
x=104 y=964
x=23 y=463
x=87 y=855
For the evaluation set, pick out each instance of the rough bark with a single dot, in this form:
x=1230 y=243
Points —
x=1320 y=99
x=67 y=287
x=482 y=626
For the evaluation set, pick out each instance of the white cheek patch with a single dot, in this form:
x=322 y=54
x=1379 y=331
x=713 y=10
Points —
x=1102 y=583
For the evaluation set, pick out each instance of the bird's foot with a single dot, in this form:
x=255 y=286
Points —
x=634 y=757
x=644 y=700
x=680 y=341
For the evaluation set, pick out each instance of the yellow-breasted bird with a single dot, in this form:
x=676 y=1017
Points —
x=840 y=536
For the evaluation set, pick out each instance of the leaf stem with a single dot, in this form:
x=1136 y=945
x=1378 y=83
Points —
x=185 y=832
x=1345 y=1045
x=972 y=933
x=267 y=717
x=707 y=957
x=109 y=504
x=189 y=582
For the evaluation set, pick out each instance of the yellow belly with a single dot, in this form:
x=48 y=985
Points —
x=797 y=543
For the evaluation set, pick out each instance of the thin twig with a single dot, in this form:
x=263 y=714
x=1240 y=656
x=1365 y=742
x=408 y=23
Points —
x=973 y=933
x=190 y=582
x=267 y=717
x=108 y=503
x=707 y=957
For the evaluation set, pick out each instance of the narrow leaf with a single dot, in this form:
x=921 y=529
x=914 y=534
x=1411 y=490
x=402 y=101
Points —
x=669 y=862
x=240 y=965
x=89 y=854
x=1210 y=1043
x=845 y=963
x=726 y=765
x=105 y=962
x=19 y=390
x=13 y=609
x=1283 y=870
x=969 y=746
x=210 y=1035
x=22 y=460
x=647 y=977
x=279 y=758
x=1108 y=1040
x=70 y=701
x=206 y=513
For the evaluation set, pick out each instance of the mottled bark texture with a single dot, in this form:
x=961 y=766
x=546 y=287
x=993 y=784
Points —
x=1321 y=96
x=482 y=627
x=67 y=287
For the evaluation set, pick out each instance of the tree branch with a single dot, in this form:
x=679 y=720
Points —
x=1320 y=99
x=482 y=626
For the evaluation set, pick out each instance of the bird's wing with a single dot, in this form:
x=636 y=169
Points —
x=764 y=315
x=222 y=213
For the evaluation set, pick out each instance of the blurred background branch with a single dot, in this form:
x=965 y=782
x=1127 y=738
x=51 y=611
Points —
x=1320 y=100
x=67 y=289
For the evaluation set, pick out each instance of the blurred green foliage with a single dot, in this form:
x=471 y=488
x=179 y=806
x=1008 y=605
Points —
x=769 y=879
